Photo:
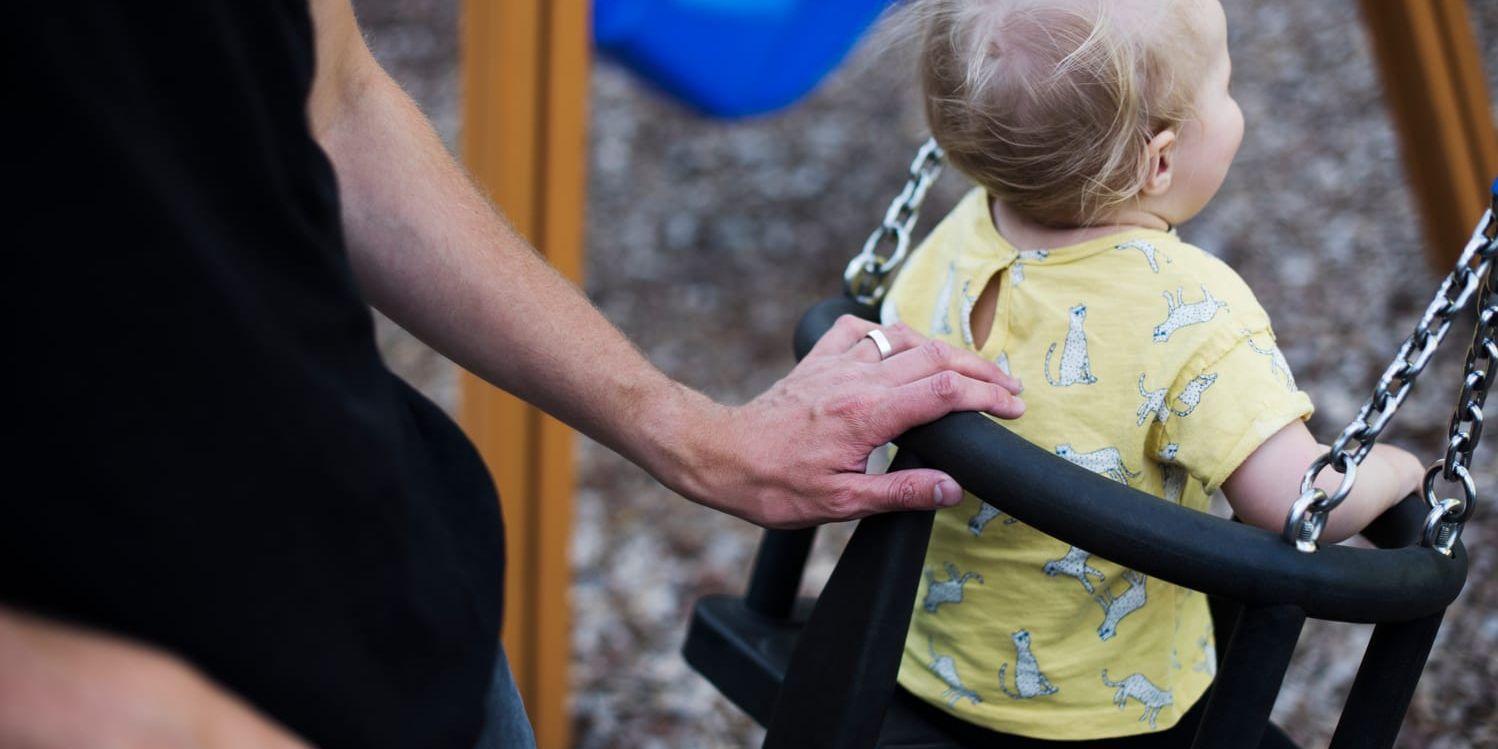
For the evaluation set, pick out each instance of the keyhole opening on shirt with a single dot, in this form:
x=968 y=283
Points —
x=983 y=312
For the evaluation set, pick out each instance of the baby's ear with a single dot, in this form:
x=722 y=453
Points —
x=1159 y=155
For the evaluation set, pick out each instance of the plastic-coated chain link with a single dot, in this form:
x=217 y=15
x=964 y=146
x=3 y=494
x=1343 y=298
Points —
x=868 y=274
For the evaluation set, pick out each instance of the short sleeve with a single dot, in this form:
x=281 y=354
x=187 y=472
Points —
x=1226 y=402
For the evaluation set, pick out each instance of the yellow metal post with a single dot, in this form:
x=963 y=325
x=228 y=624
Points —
x=1433 y=80
x=525 y=75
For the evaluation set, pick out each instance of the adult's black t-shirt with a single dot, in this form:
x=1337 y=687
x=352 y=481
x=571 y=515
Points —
x=204 y=449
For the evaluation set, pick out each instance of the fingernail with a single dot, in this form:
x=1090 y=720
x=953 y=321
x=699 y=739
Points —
x=1019 y=386
x=947 y=493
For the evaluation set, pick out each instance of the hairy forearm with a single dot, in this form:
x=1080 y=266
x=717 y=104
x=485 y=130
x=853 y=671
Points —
x=431 y=253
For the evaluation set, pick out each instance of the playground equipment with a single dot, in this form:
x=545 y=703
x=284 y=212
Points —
x=732 y=58
x=821 y=673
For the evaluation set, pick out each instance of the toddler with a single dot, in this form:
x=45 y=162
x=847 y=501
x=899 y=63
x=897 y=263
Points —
x=1092 y=129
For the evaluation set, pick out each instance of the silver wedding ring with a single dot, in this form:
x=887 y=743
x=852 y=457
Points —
x=877 y=336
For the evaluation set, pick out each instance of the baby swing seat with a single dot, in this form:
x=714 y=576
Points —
x=821 y=673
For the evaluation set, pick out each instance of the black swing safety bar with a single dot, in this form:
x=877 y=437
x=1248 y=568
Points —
x=1176 y=544
x=821 y=673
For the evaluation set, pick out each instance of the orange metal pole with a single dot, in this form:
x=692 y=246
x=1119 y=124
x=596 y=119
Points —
x=499 y=62
x=525 y=68
x=1436 y=92
x=563 y=188
x=1465 y=63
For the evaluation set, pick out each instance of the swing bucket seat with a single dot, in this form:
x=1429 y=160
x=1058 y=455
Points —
x=821 y=673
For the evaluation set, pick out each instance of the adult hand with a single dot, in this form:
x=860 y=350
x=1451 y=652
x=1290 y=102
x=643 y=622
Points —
x=795 y=456
x=61 y=686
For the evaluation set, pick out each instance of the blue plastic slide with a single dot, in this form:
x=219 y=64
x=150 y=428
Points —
x=732 y=58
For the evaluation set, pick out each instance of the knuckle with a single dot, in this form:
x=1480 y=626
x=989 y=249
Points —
x=903 y=493
x=946 y=385
x=936 y=352
x=846 y=322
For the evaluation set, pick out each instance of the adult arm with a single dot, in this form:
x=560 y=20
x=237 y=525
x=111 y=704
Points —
x=70 y=688
x=431 y=253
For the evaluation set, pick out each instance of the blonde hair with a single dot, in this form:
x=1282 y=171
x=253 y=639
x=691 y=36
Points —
x=1050 y=105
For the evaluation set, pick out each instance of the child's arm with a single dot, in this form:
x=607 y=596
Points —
x=1262 y=489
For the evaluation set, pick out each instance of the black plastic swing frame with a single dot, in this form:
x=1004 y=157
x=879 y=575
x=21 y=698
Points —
x=821 y=673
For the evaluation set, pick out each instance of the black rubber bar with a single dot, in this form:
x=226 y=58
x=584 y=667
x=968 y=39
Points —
x=777 y=572
x=1243 y=693
x=1173 y=543
x=843 y=671
x=1400 y=526
x=1385 y=683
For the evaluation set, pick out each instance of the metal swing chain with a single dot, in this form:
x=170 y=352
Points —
x=867 y=276
x=1446 y=517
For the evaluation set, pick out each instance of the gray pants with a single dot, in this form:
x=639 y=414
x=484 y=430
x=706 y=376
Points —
x=505 y=724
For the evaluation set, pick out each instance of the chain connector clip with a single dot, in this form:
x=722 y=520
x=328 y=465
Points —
x=1442 y=534
x=1307 y=518
x=1304 y=525
x=1447 y=517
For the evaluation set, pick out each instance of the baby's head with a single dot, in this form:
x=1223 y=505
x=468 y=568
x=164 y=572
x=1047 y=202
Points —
x=1076 y=112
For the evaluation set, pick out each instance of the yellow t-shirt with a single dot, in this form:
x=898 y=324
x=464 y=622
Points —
x=1145 y=360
